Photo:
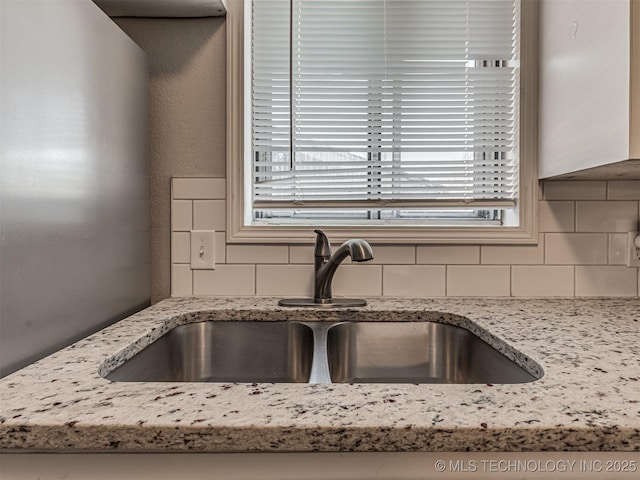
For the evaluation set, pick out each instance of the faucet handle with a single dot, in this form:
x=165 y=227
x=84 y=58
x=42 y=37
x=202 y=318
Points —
x=323 y=247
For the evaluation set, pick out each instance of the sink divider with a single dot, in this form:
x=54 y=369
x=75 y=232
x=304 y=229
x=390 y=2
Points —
x=320 y=362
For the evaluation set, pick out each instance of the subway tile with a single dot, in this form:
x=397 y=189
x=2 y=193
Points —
x=358 y=280
x=199 y=188
x=393 y=255
x=542 y=281
x=225 y=280
x=556 y=216
x=611 y=216
x=413 y=280
x=617 y=249
x=181 y=280
x=575 y=190
x=181 y=215
x=448 y=255
x=478 y=281
x=220 y=247
x=382 y=254
x=606 y=281
x=209 y=215
x=301 y=254
x=257 y=254
x=180 y=247
x=289 y=280
x=515 y=254
x=575 y=249
x=624 y=190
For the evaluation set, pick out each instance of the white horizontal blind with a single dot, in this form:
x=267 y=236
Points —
x=270 y=76
x=408 y=103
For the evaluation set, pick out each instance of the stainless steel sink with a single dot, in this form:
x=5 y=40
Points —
x=320 y=352
x=415 y=352
x=224 y=352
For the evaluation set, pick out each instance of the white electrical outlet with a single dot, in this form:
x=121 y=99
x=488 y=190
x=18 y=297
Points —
x=633 y=249
x=203 y=250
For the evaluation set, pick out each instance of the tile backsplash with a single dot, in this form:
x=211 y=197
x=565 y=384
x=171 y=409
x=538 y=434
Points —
x=581 y=252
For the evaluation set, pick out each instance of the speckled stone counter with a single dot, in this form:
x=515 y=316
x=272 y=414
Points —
x=588 y=398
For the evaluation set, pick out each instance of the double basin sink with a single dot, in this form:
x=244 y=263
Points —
x=320 y=352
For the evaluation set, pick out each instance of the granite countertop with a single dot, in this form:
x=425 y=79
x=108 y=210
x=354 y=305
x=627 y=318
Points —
x=588 y=398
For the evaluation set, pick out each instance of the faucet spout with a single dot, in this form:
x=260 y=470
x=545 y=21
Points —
x=359 y=250
x=325 y=267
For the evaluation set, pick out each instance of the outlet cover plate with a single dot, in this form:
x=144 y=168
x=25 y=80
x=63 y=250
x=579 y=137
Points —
x=203 y=250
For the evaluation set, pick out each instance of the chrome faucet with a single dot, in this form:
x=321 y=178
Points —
x=326 y=265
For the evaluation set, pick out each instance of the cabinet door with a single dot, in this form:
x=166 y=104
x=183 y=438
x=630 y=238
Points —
x=585 y=83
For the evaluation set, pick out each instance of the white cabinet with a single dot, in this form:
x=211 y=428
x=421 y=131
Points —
x=589 y=117
x=162 y=8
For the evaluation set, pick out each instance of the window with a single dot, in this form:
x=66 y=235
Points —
x=401 y=119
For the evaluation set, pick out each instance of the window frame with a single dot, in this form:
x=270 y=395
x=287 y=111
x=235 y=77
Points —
x=238 y=232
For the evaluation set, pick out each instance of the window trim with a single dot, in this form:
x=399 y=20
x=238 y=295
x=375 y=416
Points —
x=526 y=233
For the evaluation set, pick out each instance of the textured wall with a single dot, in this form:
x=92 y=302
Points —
x=187 y=115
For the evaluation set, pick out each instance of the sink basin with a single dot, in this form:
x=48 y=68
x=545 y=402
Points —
x=415 y=352
x=224 y=352
x=320 y=352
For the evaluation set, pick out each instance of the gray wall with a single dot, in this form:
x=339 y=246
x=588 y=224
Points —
x=74 y=197
x=187 y=116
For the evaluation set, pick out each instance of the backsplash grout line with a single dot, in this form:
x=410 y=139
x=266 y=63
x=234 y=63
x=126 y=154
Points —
x=592 y=268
